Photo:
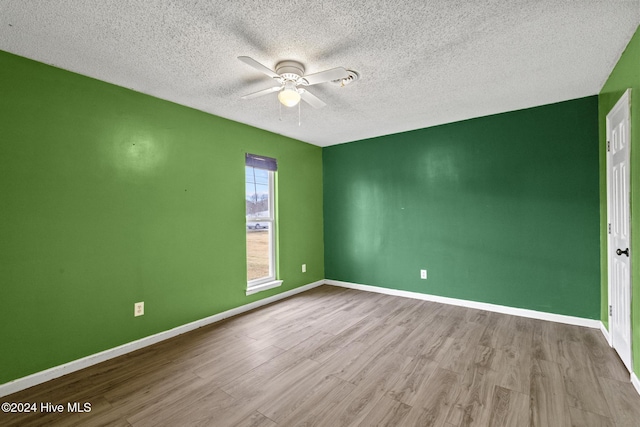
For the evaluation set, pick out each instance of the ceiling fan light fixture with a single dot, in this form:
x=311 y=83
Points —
x=290 y=75
x=289 y=96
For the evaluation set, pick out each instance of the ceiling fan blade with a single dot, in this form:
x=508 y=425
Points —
x=311 y=99
x=258 y=66
x=325 y=76
x=261 y=92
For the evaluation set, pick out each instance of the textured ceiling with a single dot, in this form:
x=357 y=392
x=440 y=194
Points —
x=422 y=63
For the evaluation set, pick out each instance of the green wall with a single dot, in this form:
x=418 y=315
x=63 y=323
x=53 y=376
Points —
x=109 y=197
x=626 y=74
x=501 y=209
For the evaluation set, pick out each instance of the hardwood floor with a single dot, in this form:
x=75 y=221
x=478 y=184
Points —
x=339 y=357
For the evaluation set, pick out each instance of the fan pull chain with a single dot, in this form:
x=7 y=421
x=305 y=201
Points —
x=299 y=113
x=280 y=109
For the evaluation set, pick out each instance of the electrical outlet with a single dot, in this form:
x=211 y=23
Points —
x=138 y=309
x=423 y=274
x=304 y=268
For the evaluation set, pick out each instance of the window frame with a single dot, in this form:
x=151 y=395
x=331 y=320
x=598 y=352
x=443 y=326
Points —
x=270 y=281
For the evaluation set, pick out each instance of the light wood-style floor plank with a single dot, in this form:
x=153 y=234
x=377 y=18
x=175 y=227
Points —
x=548 y=401
x=387 y=412
x=587 y=419
x=606 y=363
x=623 y=402
x=368 y=391
x=580 y=394
x=437 y=399
x=508 y=408
x=470 y=408
x=341 y=357
x=318 y=408
x=413 y=385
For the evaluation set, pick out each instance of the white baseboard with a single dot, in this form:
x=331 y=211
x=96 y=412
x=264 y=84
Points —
x=606 y=334
x=75 y=365
x=522 y=312
x=635 y=381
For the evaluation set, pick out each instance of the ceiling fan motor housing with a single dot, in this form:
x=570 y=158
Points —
x=290 y=70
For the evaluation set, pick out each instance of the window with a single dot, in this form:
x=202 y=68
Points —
x=260 y=223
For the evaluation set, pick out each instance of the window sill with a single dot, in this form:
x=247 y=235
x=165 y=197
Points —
x=263 y=287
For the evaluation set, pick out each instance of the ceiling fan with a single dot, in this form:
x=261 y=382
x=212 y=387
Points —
x=292 y=82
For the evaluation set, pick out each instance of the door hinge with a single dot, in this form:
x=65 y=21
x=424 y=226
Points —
x=608 y=145
x=610 y=311
x=609 y=228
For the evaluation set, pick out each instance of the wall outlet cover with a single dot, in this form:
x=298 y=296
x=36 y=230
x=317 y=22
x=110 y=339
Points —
x=138 y=309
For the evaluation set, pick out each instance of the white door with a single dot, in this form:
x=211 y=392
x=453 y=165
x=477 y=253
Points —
x=618 y=213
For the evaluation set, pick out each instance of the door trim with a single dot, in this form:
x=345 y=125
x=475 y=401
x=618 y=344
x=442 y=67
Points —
x=623 y=102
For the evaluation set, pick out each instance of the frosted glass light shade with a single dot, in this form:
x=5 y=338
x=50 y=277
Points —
x=289 y=96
